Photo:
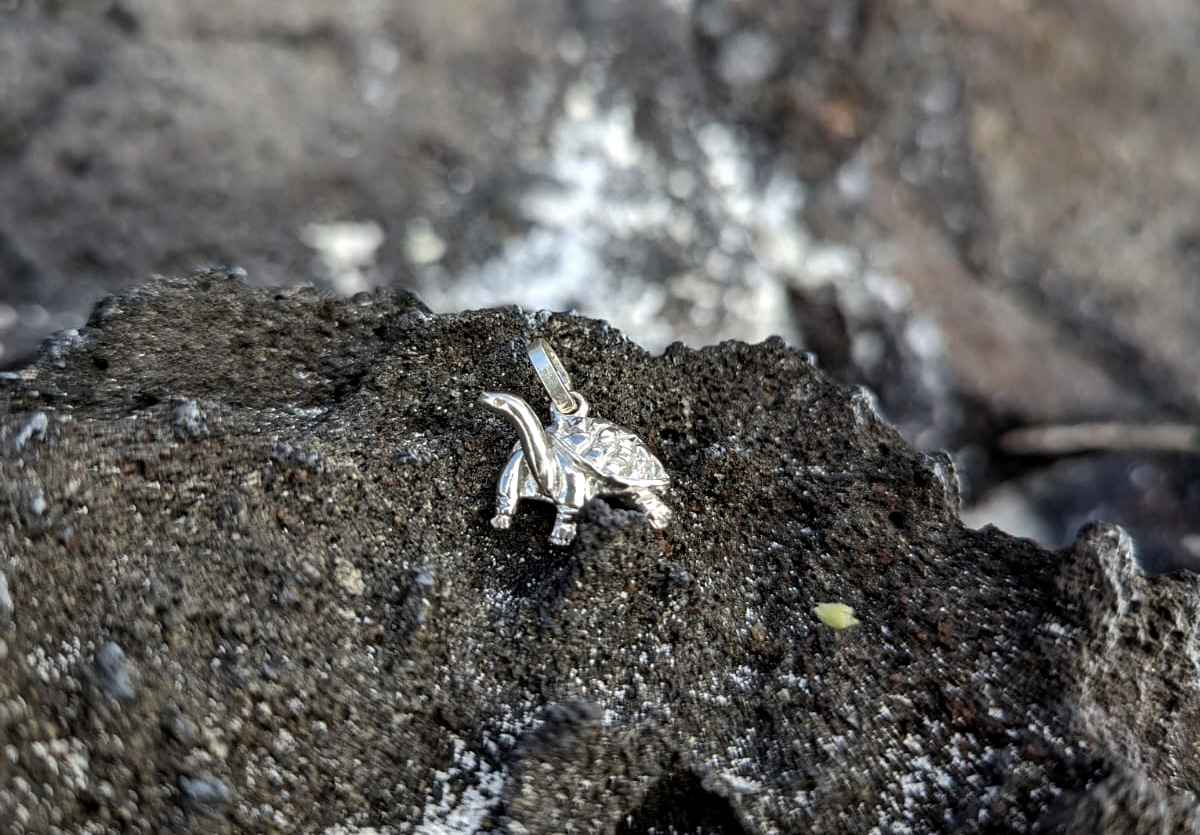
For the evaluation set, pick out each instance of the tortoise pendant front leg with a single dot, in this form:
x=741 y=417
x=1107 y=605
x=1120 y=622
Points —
x=508 y=492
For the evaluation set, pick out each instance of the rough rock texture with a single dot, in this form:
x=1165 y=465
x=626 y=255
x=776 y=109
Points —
x=251 y=586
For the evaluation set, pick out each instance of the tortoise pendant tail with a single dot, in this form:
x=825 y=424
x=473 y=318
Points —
x=573 y=459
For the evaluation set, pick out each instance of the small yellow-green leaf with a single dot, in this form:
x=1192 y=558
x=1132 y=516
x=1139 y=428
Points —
x=835 y=615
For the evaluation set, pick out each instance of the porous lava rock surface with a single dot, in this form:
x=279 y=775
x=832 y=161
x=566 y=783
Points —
x=248 y=584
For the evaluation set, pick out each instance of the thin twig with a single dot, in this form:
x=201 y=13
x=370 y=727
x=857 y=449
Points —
x=1068 y=439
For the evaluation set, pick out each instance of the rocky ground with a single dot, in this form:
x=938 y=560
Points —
x=248 y=584
x=985 y=213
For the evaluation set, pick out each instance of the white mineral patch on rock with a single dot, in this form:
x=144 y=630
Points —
x=6 y=603
x=465 y=812
x=422 y=244
x=348 y=577
x=604 y=197
x=35 y=427
x=347 y=251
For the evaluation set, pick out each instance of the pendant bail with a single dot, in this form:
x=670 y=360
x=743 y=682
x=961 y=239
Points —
x=553 y=376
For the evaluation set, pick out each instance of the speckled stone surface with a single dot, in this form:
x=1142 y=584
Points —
x=248 y=584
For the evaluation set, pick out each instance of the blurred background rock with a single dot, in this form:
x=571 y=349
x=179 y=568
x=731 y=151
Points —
x=987 y=213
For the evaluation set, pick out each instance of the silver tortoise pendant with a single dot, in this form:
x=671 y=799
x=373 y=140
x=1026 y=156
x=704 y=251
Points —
x=573 y=459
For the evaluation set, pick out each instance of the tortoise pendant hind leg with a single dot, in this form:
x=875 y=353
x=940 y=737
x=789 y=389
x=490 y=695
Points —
x=565 y=526
x=657 y=512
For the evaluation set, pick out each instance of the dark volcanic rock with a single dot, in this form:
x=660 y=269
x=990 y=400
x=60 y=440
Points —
x=309 y=624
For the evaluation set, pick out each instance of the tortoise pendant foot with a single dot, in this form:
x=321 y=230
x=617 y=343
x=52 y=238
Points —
x=502 y=521
x=657 y=512
x=572 y=459
x=564 y=529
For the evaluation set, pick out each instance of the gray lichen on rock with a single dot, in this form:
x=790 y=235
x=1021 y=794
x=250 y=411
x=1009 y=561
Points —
x=353 y=645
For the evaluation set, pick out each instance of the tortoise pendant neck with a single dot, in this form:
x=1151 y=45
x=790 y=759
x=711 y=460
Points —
x=534 y=443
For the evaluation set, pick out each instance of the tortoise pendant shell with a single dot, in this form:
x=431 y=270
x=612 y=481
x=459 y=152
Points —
x=613 y=453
